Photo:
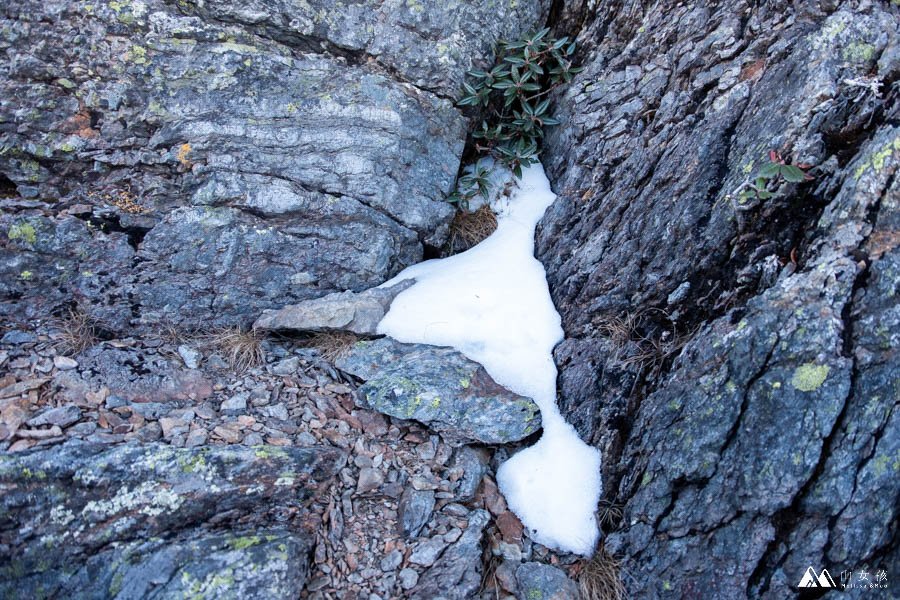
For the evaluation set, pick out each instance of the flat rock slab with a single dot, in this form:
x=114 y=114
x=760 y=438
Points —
x=359 y=313
x=74 y=513
x=441 y=388
x=537 y=580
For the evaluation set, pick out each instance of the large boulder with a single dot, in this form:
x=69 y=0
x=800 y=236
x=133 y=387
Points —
x=441 y=388
x=251 y=155
x=93 y=521
x=733 y=360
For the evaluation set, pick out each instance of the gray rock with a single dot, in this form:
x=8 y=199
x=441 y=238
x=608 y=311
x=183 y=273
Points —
x=537 y=580
x=190 y=356
x=441 y=388
x=236 y=404
x=393 y=560
x=288 y=366
x=415 y=510
x=62 y=416
x=95 y=521
x=457 y=574
x=369 y=479
x=359 y=313
x=17 y=337
x=408 y=578
x=473 y=463
x=64 y=363
x=427 y=552
x=755 y=444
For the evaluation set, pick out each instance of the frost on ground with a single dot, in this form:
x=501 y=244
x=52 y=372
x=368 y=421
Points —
x=492 y=304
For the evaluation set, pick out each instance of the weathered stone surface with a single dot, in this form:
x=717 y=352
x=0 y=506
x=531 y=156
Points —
x=415 y=510
x=441 y=388
x=359 y=313
x=762 y=447
x=65 y=506
x=536 y=580
x=457 y=574
x=228 y=159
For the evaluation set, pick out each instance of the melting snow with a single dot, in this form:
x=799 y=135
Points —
x=492 y=304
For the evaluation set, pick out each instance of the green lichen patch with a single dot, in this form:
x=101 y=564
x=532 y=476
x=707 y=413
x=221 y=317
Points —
x=23 y=232
x=809 y=377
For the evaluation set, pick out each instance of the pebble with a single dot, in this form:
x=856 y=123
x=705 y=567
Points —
x=190 y=356
x=427 y=552
x=64 y=363
x=391 y=561
x=408 y=578
x=235 y=404
x=286 y=367
x=197 y=437
x=62 y=416
x=369 y=479
x=415 y=511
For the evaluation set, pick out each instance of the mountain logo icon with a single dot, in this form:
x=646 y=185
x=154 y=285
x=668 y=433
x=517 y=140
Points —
x=811 y=580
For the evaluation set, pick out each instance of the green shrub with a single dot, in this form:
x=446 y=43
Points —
x=513 y=98
x=765 y=183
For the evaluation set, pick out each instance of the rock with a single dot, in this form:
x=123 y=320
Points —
x=285 y=367
x=414 y=511
x=17 y=337
x=228 y=433
x=510 y=526
x=391 y=561
x=408 y=578
x=472 y=464
x=358 y=313
x=537 y=580
x=62 y=416
x=743 y=446
x=457 y=574
x=427 y=552
x=441 y=388
x=369 y=479
x=198 y=437
x=64 y=363
x=276 y=411
x=236 y=404
x=190 y=356
x=205 y=221
x=132 y=516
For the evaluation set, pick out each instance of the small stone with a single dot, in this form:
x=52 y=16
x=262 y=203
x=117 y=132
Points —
x=391 y=561
x=230 y=435
x=427 y=552
x=197 y=437
x=253 y=439
x=169 y=425
x=493 y=499
x=276 y=411
x=286 y=367
x=510 y=526
x=64 y=363
x=537 y=580
x=190 y=356
x=62 y=416
x=235 y=404
x=415 y=510
x=17 y=337
x=369 y=479
x=408 y=578
x=511 y=552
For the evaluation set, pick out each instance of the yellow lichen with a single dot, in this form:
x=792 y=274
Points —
x=809 y=377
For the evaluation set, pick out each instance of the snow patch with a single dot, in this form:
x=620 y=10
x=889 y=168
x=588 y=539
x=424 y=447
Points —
x=492 y=304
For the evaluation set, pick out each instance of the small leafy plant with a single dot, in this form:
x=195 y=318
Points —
x=765 y=183
x=513 y=97
x=471 y=184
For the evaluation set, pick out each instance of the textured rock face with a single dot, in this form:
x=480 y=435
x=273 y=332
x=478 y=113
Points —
x=441 y=388
x=735 y=363
x=87 y=520
x=254 y=155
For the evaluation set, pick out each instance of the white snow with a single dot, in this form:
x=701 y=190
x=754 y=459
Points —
x=492 y=304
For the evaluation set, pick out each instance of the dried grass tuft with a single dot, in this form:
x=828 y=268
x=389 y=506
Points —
x=333 y=345
x=241 y=348
x=469 y=228
x=78 y=332
x=599 y=578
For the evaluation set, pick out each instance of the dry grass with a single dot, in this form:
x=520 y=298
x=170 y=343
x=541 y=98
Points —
x=470 y=228
x=333 y=344
x=633 y=347
x=241 y=349
x=599 y=578
x=78 y=332
x=609 y=514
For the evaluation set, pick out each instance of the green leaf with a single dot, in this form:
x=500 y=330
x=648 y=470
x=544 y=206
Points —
x=764 y=194
x=515 y=60
x=792 y=174
x=769 y=170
